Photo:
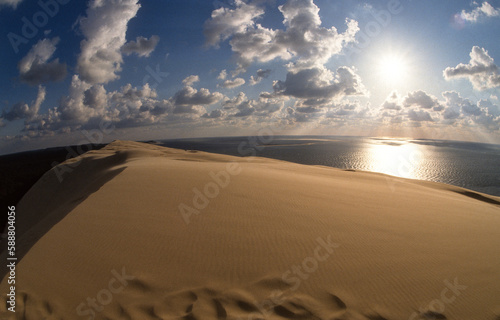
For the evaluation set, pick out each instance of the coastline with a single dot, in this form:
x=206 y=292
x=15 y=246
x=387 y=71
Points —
x=332 y=243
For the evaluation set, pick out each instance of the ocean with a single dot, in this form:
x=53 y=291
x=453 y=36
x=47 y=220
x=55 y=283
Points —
x=474 y=166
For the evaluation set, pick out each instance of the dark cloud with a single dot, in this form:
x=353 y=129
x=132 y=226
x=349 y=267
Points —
x=24 y=111
x=309 y=109
x=188 y=96
x=261 y=74
x=419 y=115
x=141 y=46
x=420 y=99
x=35 y=68
x=320 y=83
x=392 y=102
x=214 y=114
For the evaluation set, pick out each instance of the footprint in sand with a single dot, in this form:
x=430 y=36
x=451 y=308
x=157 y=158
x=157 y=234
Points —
x=221 y=311
x=431 y=315
x=337 y=303
x=375 y=317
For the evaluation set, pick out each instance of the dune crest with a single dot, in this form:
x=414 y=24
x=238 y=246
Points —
x=138 y=231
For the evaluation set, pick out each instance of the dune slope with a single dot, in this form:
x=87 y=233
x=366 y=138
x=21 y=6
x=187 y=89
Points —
x=137 y=231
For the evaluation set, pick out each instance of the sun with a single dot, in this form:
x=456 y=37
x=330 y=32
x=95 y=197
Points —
x=393 y=69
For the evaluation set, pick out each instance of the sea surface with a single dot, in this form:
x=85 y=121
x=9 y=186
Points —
x=475 y=166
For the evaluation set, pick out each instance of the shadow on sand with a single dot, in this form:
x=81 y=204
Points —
x=479 y=197
x=52 y=198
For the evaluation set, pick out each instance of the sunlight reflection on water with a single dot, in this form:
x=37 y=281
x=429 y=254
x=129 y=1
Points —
x=465 y=164
x=396 y=158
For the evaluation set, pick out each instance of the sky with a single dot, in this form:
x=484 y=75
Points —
x=94 y=71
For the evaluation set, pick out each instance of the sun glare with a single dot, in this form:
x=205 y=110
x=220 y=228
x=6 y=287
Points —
x=395 y=158
x=393 y=69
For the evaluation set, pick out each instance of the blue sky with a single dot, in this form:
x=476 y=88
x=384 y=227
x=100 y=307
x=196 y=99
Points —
x=94 y=71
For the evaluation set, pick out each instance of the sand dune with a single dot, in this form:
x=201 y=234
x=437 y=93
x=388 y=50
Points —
x=138 y=231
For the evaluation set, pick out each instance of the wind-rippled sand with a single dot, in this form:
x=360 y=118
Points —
x=121 y=238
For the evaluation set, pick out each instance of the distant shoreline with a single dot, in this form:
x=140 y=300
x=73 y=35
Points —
x=19 y=171
x=150 y=231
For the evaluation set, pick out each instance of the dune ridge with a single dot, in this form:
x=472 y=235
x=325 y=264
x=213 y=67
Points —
x=138 y=231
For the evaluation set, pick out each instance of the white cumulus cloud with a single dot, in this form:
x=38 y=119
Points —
x=481 y=70
x=225 y=22
x=189 y=81
x=302 y=38
x=104 y=29
x=233 y=83
x=483 y=11
x=222 y=75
